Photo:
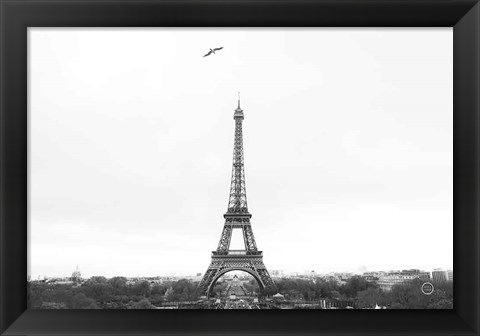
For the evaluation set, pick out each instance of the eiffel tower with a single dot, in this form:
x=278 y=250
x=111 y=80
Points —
x=250 y=259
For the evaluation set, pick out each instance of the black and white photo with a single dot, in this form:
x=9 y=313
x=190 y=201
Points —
x=292 y=168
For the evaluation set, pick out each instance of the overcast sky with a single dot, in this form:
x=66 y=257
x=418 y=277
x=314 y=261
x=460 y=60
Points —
x=347 y=140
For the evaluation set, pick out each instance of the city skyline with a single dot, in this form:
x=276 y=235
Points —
x=275 y=273
x=130 y=149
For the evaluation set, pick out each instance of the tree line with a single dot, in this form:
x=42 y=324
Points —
x=117 y=293
x=99 y=292
x=364 y=294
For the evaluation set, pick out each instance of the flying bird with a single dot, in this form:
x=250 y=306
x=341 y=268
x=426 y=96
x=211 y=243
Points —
x=212 y=51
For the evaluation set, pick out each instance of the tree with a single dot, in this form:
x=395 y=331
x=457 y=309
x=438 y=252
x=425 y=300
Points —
x=219 y=287
x=269 y=290
x=92 y=305
x=354 y=285
x=97 y=288
x=158 y=289
x=184 y=290
x=403 y=297
x=143 y=304
x=410 y=296
x=252 y=287
x=35 y=294
x=60 y=293
x=141 y=288
x=309 y=295
x=97 y=280
x=118 y=284
x=369 y=298
x=80 y=301
x=441 y=304
x=157 y=293
x=336 y=295
x=170 y=295
x=440 y=299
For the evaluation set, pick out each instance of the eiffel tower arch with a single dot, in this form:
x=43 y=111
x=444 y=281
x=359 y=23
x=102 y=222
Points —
x=224 y=259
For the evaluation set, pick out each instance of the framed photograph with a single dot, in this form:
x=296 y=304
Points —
x=354 y=125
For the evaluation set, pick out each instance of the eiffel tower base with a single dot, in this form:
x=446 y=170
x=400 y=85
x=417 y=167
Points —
x=223 y=262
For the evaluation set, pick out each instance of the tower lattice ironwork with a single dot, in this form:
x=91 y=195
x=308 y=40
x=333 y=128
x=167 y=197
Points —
x=237 y=216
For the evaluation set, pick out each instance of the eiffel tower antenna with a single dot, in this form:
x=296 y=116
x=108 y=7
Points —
x=250 y=259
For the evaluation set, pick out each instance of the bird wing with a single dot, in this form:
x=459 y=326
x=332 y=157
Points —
x=207 y=53
x=218 y=48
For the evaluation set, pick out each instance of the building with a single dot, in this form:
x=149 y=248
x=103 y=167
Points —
x=415 y=274
x=344 y=276
x=59 y=281
x=373 y=277
x=76 y=275
x=386 y=282
x=424 y=275
x=392 y=278
x=370 y=278
x=440 y=275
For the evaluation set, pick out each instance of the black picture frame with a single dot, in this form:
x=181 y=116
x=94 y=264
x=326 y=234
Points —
x=17 y=15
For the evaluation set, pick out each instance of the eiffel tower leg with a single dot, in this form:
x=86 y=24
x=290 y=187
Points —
x=267 y=280
x=225 y=238
x=207 y=279
x=248 y=238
